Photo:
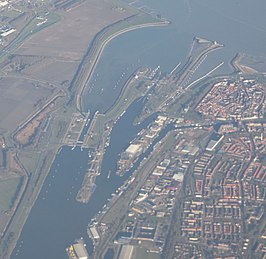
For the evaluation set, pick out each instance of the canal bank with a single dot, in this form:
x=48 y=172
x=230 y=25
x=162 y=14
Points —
x=118 y=59
x=56 y=218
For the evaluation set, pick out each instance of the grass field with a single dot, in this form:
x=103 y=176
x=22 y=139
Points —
x=11 y=13
x=8 y=191
x=31 y=28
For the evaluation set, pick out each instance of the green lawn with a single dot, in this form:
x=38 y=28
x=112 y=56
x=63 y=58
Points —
x=8 y=191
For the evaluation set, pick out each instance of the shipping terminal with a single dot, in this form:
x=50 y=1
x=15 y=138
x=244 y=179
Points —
x=77 y=250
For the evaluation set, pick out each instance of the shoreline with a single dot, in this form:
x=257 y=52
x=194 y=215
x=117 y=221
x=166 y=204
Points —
x=25 y=211
x=16 y=225
x=100 y=49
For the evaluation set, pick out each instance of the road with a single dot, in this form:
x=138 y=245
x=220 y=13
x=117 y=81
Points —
x=141 y=174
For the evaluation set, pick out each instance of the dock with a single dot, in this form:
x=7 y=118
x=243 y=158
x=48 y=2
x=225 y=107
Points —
x=77 y=250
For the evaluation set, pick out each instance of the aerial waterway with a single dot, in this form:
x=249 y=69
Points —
x=56 y=218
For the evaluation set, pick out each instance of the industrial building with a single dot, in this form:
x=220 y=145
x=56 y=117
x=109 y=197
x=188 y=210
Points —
x=133 y=149
x=80 y=251
x=126 y=252
x=77 y=250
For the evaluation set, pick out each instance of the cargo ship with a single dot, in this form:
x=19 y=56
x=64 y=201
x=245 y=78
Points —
x=77 y=250
x=145 y=138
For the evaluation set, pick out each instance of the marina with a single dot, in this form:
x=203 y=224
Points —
x=56 y=207
x=140 y=145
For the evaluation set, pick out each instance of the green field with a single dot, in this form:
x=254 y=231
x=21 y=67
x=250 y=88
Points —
x=8 y=191
x=12 y=14
x=28 y=30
